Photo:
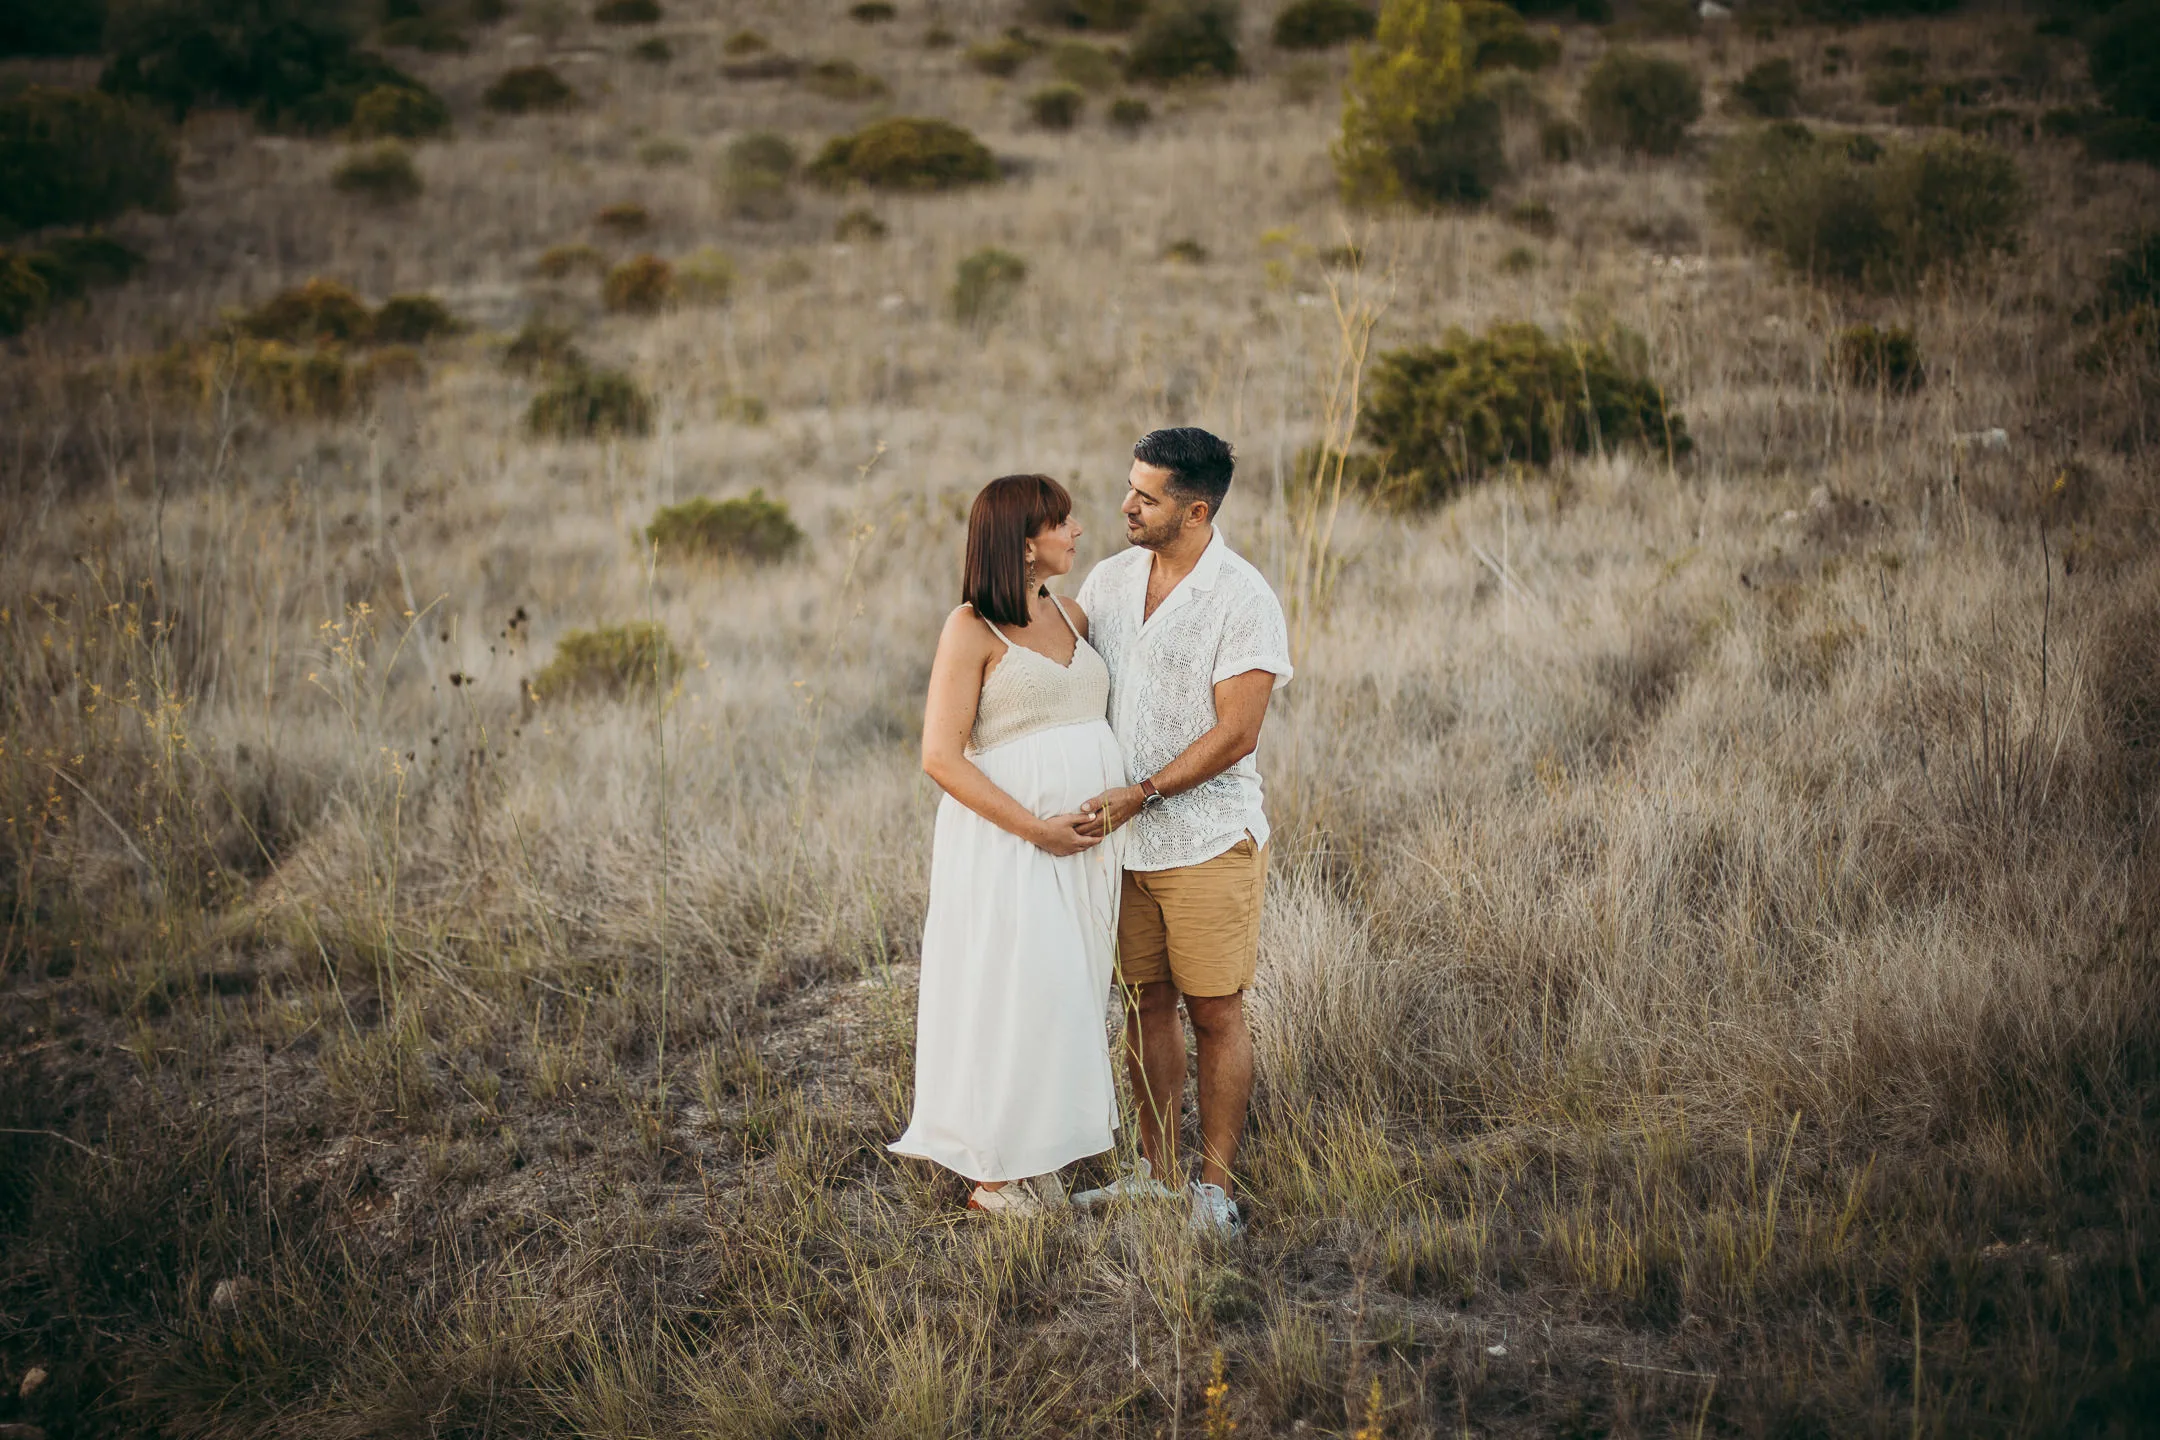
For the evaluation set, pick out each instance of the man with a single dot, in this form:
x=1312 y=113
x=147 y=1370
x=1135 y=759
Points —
x=1196 y=644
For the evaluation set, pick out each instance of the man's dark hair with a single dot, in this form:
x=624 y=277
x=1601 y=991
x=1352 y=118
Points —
x=1199 y=463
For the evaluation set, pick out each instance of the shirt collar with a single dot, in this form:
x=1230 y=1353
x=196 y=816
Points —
x=1201 y=577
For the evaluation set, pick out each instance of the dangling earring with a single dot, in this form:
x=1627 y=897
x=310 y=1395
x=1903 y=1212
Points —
x=1031 y=589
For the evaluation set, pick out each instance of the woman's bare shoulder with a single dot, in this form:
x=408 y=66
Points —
x=1073 y=611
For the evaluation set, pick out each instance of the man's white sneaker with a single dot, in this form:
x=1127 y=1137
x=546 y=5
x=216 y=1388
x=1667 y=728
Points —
x=1214 y=1214
x=1138 y=1183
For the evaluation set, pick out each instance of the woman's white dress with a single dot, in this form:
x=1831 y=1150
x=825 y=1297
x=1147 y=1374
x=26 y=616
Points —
x=1012 y=1063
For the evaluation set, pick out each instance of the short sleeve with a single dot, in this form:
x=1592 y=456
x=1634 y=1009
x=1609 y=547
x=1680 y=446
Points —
x=1254 y=636
x=1091 y=590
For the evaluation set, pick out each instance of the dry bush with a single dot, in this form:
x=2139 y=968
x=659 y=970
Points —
x=755 y=175
x=1870 y=358
x=1091 y=67
x=528 y=88
x=1184 y=39
x=625 y=217
x=64 y=268
x=414 y=320
x=985 y=285
x=842 y=80
x=1085 y=14
x=1057 y=107
x=859 y=224
x=1003 y=56
x=398 y=112
x=1321 y=24
x=382 y=174
x=1641 y=102
x=746 y=527
x=560 y=262
x=627 y=12
x=872 y=12
x=585 y=404
x=319 y=311
x=906 y=154
x=641 y=285
x=1495 y=38
x=540 y=347
x=1130 y=113
x=1441 y=416
x=1769 y=90
x=610 y=661
x=706 y=276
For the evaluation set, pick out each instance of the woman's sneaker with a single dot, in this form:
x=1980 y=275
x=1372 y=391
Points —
x=1015 y=1201
x=1138 y=1183
x=1214 y=1214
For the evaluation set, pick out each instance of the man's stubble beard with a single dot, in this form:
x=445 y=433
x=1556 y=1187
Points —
x=1151 y=539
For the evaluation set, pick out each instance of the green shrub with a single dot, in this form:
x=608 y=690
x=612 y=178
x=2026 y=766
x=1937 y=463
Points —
x=653 y=50
x=748 y=527
x=906 y=154
x=872 y=12
x=661 y=152
x=397 y=112
x=382 y=173
x=1181 y=39
x=627 y=12
x=642 y=285
x=843 y=80
x=611 y=661
x=859 y=224
x=1641 y=102
x=1441 y=416
x=1895 y=74
x=541 y=347
x=755 y=174
x=1321 y=24
x=745 y=42
x=1185 y=252
x=414 y=320
x=392 y=365
x=23 y=295
x=1088 y=66
x=1495 y=38
x=1057 y=107
x=985 y=285
x=1870 y=358
x=435 y=34
x=560 y=262
x=741 y=409
x=1413 y=128
x=1085 y=14
x=1536 y=217
x=625 y=218
x=1770 y=89
x=51 y=27
x=705 y=277
x=1864 y=214
x=303 y=384
x=1003 y=56
x=583 y=404
x=76 y=157
x=291 y=63
x=318 y=312
x=1130 y=113
x=529 y=88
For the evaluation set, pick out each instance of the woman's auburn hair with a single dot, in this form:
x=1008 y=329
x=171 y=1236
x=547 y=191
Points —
x=1010 y=511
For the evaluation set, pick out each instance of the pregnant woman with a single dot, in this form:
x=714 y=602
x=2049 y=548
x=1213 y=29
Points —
x=1012 y=1064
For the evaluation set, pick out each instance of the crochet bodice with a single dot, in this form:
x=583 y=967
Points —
x=1027 y=691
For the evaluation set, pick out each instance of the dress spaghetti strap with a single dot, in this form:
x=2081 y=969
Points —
x=994 y=630
x=1060 y=604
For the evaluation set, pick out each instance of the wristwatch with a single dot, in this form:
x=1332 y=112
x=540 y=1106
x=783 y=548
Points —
x=1149 y=795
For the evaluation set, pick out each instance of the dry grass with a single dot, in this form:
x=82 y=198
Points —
x=1708 y=979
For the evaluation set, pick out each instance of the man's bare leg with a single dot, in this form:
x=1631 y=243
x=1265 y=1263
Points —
x=1226 y=1080
x=1155 y=1063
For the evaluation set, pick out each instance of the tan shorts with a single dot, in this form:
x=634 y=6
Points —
x=1197 y=926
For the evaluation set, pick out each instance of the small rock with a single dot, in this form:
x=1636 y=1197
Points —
x=230 y=1292
x=31 y=1381
x=1496 y=1351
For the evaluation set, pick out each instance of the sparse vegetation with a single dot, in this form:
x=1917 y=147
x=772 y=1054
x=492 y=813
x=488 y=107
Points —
x=705 y=277
x=628 y=12
x=1441 y=416
x=986 y=284
x=755 y=176
x=1185 y=39
x=625 y=217
x=560 y=262
x=1003 y=56
x=66 y=268
x=873 y=12
x=414 y=320
x=1130 y=113
x=1869 y=358
x=382 y=173
x=1641 y=102
x=1085 y=14
x=1321 y=24
x=610 y=661
x=1865 y=215
x=1495 y=38
x=319 y=312
x=642 y=285
x=745 y=42
x=72 y=157
x=587 y=404
x=529 y=88
x=398 y=112
x=1091 y=67
x=842 y=80
x=906 y=154
x=541 y=348
x=747 y=527
x=653 y=50
x=859 y=224
x=1057 y=107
